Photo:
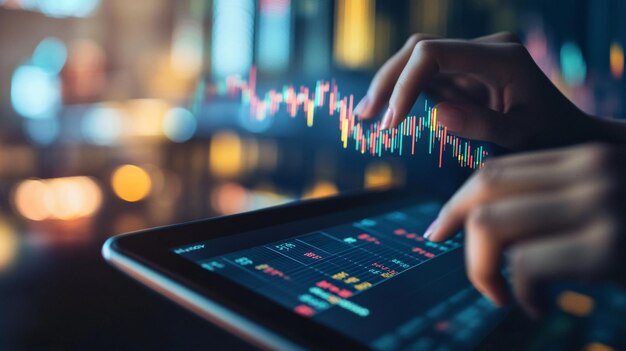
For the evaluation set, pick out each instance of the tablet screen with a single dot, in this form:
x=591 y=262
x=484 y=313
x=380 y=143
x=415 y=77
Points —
x=376 y=280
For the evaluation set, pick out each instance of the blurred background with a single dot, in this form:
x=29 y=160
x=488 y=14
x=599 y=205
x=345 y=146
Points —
x=105 y=129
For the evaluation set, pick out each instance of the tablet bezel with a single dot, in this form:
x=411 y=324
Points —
x=152 y=249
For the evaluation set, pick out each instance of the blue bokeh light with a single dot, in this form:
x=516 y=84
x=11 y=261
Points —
x=35 y=93
x=179 y=125
x=42 y=131
x=67 y=8
x=254 y=124
x=51 y=55
x=102 y=125
x=232 y=43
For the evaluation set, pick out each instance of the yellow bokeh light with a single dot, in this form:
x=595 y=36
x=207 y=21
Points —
x=131 y=183
x=354 y=34
x=597 y=346
x=93 y=202
x=58 y=198
x=378 y=175
x=321 y=189
x=8 y=245
x=32 y=199
x=616 y=58
x=225 y=155
x=145 y=117
x=575 y=303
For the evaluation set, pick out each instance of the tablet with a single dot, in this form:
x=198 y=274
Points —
x=350 y=272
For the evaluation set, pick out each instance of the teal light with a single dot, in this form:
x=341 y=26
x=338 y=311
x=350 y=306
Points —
x=35 y=93
x=233 y=29
x=573 y=64
x=42 y=131
x=102 y=125
x=67 y=8
x=50 y=55
x=179 y=125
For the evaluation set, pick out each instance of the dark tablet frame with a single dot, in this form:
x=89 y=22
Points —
x=152 y=248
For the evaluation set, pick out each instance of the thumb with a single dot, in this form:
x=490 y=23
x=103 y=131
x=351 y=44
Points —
x=473 y=122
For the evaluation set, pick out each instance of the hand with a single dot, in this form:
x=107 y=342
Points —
x=490 y=88
x=560 y=214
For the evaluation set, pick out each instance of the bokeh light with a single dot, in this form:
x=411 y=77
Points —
x=32 y=199
x=187 y=43
x=145 y=117
x=232 y=41
x=225 y=155
x=131 y=183
x=378 y=175
x=573 y=64
x=50 y=55
x=616 y=58
x=321 y=189
x=9 y=244
x=575 y=303
x=67 y=8
x=102 y=125
x=354 y=33
x=598 y=346
x=274 y=35
x=229 y=198
x=254 y=124
x=58 y=198
x=179 y=124
x=35 y=93
x=43 y=131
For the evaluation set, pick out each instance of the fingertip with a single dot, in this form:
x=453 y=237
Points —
x=431 y=228
x=435 y=236
x=398 y=116
x=496 y=292
x=387 y=119
x=438 y=231
x=362 y=109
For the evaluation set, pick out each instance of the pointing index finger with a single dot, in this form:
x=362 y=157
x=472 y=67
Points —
x=431 y=57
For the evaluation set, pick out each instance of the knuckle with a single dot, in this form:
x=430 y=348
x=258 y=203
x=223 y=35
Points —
x=424 y=47
x=490 y=174
x=415 y=38
x=480 y=219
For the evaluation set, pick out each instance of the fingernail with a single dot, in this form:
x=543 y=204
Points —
x=362 y=105
x=431 y=228
x=386 y=123
x=451 y=116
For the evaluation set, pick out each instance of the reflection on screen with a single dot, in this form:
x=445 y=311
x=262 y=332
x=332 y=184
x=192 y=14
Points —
x=376 y=280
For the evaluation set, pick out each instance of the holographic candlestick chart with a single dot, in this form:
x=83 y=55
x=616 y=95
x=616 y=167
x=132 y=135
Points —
x=325 y=100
